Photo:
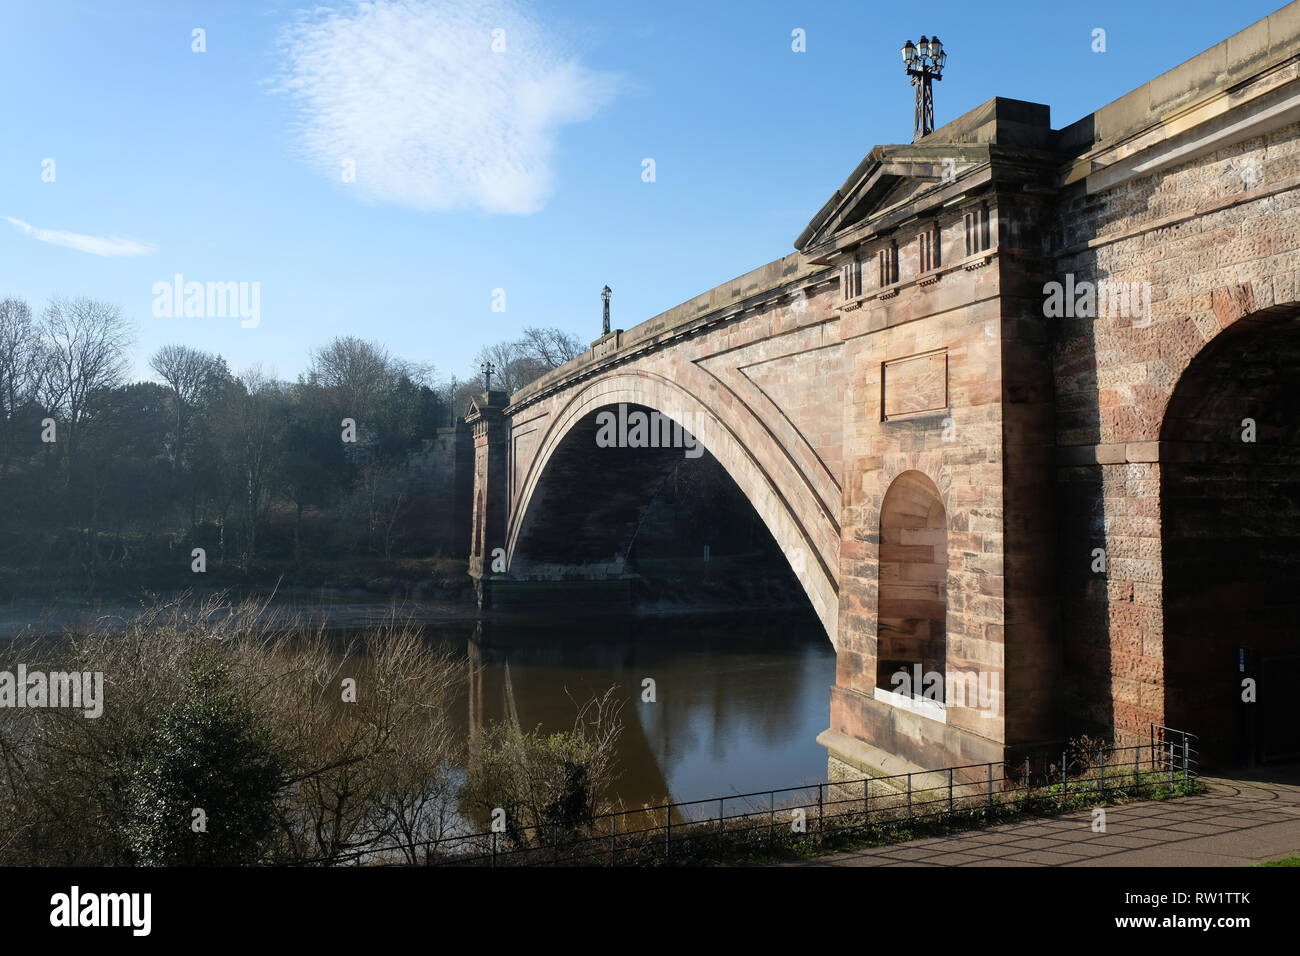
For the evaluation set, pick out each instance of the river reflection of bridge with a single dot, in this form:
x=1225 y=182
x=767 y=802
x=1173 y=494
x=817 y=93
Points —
x=737 y=700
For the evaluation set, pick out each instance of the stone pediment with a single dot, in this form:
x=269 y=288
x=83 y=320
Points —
x=891 y=178
x=493 y=401
x=895 y=183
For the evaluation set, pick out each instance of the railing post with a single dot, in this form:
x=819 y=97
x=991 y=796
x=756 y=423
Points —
x=950 y=789
x=494 y=848
x=1101 y=769
x=1026 y=773
x=866 y=801
x=909 y=796
x=771 y=825
x=819 y=812
x=1065 y=783
x=613 y=832
x=668 y=834
x=1185 y=771
x=990 y=784
x=720 y=799
x=1171 y=765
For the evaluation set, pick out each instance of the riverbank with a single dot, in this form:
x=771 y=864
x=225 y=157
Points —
x=733 y=699
x=358 y=593
x=337 y=610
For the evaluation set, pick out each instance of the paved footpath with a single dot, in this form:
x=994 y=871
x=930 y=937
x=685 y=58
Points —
x=1238 y=822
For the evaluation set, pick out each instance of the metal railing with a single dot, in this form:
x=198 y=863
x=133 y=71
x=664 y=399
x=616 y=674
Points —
x=887 y=807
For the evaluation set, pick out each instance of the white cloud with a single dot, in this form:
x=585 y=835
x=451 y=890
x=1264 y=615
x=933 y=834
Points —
x=413 y=93
x=95 y=245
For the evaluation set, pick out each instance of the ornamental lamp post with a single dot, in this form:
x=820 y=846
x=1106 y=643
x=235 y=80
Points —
x=925 y=62
x=605 y=293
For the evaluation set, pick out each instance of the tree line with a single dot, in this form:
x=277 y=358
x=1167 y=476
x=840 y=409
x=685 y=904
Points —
x=111 y=484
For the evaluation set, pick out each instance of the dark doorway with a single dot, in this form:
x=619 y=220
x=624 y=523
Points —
x=1230 y=528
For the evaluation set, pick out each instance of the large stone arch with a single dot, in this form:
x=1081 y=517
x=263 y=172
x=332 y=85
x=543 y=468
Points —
x=720 y=435
x=1230 y=539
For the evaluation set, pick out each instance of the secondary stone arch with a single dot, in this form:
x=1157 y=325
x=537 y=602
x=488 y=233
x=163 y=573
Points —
x=928 y=463
x=1229 y=466
x=912 y=569
x=721 y=440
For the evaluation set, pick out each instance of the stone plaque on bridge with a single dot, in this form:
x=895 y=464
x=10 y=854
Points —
x=918 y=383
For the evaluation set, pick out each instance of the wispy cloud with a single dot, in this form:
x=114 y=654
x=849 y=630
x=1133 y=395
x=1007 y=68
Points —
x=433 y=118
x=95 y=245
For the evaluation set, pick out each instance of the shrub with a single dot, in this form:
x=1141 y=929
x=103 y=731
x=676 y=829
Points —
x=220 y=707
x=207 y=782
x=547 y=784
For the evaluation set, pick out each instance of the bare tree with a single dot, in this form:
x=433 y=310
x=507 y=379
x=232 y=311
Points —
x=188 y=373
x=251 y=424
x=512 y=366
x=87 y=341
x=22 y=369
x=523 y=360
x=550 y=347
x=357 y=371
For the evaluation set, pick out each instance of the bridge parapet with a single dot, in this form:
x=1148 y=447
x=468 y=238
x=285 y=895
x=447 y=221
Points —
x=726 y=301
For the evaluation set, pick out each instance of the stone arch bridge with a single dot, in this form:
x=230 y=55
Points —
x=1021 y=409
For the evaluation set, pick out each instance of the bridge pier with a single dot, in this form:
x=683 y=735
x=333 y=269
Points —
x=491 y=431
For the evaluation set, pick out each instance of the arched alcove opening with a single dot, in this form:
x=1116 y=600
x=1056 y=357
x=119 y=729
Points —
x=912 y=600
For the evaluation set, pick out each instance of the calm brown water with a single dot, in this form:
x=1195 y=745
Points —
x=740 y=697
x=739 y=701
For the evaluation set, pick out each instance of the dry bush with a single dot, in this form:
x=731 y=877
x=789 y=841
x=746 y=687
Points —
x=547 y=784
x=357 y=778
x=372 y=773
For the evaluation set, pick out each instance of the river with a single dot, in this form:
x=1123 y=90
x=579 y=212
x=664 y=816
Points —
x=739 y=699
x=739 y=696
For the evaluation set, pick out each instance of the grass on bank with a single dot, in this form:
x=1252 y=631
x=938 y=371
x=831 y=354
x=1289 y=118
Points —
x=762 y=836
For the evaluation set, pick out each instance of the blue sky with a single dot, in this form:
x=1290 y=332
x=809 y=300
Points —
x=479 y=170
